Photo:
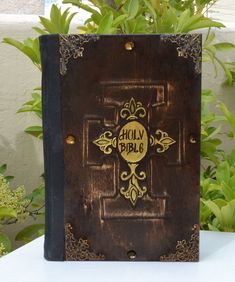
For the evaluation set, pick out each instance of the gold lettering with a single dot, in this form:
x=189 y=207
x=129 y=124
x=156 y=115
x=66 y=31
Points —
x=133 y=141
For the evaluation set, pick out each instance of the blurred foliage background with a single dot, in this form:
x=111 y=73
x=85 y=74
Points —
x=138 y=17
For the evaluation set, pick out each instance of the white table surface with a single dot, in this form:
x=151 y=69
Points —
x=217 y=263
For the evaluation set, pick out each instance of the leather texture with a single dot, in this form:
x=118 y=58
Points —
x=121 y=125
x=53 y=149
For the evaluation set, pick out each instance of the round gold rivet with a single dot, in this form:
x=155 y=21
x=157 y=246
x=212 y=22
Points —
x=131 y=255
x=70 y=139
x=192 y=140
x=129 y=46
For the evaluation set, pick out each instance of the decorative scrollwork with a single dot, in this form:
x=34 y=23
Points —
x=72 y=46
x=185 y=250
x=134 y=190
x=105 y=142
x=165 y=141
x=132 y=110
x=189 y=45
x=132 y=144
x=78 y=249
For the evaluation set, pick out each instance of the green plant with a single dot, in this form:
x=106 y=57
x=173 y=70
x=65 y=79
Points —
x=218 y=176
x=143 y=16
x=210 y=54
x=59 y=22
x=126 y=16
x=218 y=196
x=210 y=129
x=149 y=17
x=16 y=206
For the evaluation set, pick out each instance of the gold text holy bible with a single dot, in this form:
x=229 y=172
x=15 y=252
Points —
x=121 y=121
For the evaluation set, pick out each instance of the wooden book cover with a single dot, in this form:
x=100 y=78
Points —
x=121 y=121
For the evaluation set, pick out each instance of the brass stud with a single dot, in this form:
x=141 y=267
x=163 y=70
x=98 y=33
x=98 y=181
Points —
x=192 y=140
x=131 y=255
x=70 y=140
x=129 y=46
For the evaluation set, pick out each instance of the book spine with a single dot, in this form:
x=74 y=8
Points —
x=53 y=148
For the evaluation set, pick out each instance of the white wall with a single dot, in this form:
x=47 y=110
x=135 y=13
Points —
x=18 y=77
x=22 y=7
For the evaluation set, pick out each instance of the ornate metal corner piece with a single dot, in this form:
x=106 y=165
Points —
x=185 y=250
x=78 y=250
x=189 y=45
x=72 y=46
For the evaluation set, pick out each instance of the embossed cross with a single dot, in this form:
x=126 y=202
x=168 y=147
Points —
x=132 y=143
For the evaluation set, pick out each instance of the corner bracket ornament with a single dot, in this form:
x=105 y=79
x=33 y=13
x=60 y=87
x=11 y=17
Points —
x=72 y=46
x=185 y=250
x=188 y=45
x=78 y=249
x=132 y=143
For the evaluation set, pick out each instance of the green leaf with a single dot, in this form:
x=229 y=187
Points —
x=68 y=22
x=224 y=46
x=38 y=88
x=213 y=228
x=183 y=20
x=6 y=212
x=223 y=172
x=79 y=4
x=30 y=232
x=30 y=47
x=9 y=178
x=35 y=131
x=37 y=196
x=214 y=208
x=39 y=30
x=210 y=38
x=205 y=23
x=105 y=24
x=228 y=115
x=132 y=8
x=3 y=168
x=232 y=182
x=4 y=239
x=47 y=24
x=220 y=203
x=55 y=14
x=227 y=213
x=228 y=192
x=120 y=19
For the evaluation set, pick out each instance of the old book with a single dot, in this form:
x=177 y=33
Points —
x=121 y=121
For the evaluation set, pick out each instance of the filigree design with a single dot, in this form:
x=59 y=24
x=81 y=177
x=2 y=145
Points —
x=72 y=46
x=134 y=190
x=105 y=142
x=185 y=250
x=78 y=249
x=165 y=141
x=132 y=142
x=133 y=110
x=189 y=45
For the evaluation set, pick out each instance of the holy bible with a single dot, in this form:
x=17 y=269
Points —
x=121 y=133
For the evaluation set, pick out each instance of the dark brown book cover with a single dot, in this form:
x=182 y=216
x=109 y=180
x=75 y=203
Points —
x=121 y=120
